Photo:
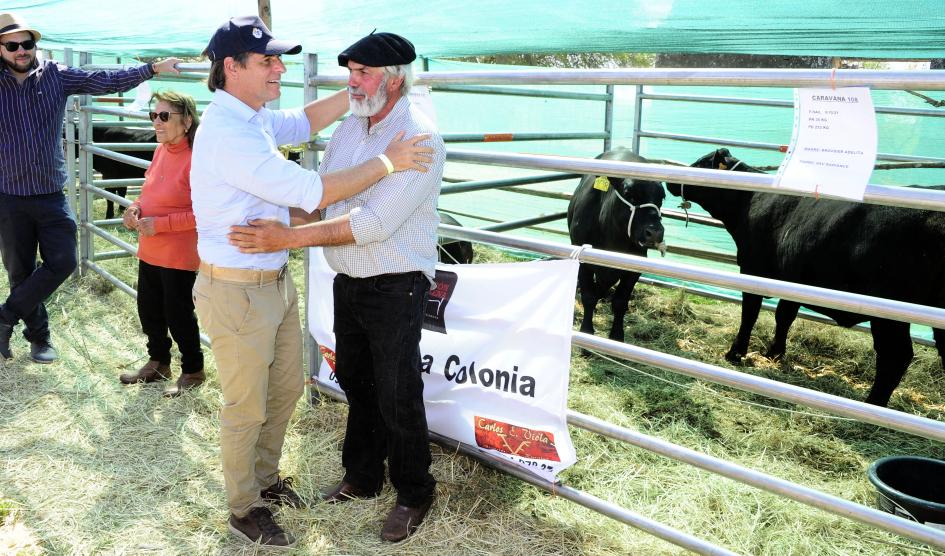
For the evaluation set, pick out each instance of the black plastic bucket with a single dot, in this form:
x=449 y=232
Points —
x=912 y=487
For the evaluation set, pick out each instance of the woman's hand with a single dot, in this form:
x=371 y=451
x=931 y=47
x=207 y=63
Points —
x=130 y=219
x=146 y=226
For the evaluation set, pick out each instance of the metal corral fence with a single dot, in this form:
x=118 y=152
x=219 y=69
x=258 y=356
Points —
x=896 y=420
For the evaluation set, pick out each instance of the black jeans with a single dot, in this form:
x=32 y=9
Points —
x=28 y=223
x=378 y=321
x=166 y=302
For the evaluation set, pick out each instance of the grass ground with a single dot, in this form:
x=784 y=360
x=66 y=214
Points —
x=93 y=467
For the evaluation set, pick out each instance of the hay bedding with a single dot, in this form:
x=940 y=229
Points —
x=93 y=467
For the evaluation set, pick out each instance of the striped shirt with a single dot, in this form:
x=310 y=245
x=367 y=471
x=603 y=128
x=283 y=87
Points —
x=394 y=221
x=31 y=114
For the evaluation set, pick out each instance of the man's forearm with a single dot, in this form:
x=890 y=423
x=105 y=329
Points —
x=346 y=183
x=336 y=231
x=323 y=112
x=298 y=217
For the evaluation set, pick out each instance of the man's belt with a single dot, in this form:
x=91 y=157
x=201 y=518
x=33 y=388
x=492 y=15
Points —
x=242 y=275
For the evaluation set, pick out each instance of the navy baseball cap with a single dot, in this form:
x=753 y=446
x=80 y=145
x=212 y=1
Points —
x=247 y=33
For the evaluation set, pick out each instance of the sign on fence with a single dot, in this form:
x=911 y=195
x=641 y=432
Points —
x=833 y=146
x=495 y=354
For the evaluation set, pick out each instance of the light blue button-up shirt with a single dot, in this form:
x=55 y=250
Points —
x=238 y=174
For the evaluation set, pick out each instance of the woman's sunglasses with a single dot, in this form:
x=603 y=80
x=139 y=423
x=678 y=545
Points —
x=13 y=46
x=163 y=115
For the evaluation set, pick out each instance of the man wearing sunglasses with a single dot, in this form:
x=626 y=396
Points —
x=33 y=209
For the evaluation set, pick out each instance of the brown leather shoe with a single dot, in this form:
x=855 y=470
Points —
x=402 y=521
x=258 y=527
x=343 y=492
x=152 y=371
x=185 y=382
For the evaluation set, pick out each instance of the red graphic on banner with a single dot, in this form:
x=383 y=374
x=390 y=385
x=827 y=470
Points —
x=329 y=356
x=515 y=440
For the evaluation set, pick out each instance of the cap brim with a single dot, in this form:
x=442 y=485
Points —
x=277 y=48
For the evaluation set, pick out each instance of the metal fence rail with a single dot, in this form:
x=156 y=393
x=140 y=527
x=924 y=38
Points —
x=875 y=79
x=781 y=103
x=908 y=197
x=768 y=146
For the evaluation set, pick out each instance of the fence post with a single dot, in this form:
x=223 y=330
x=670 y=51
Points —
x=309 y=161
x=69 y=145
x=85 y=175
x=637 y=118
x=609 y=118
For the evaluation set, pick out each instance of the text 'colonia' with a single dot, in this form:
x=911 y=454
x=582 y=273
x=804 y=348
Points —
x=506 y=381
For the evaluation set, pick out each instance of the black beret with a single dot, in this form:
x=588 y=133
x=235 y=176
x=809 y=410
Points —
x=378 y=50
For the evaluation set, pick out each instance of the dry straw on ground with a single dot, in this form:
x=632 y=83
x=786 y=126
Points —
x=93 y=467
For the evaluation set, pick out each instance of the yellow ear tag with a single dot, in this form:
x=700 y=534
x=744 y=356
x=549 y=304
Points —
x=602 y=183
x=722 y=166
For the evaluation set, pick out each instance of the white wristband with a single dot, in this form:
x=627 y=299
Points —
x=387 y=163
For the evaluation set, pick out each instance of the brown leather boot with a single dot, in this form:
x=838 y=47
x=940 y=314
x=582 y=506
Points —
x=402 y=521
x=152 y=371
x=185 y=382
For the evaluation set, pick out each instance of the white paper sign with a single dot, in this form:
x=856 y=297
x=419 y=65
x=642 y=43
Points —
x=495 y=349
x=833 y=148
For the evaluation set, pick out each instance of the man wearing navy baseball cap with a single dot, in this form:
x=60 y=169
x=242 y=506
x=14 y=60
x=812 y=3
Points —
x=382 y=244
x=247 y=302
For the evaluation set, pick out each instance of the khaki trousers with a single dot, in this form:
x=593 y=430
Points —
x=257 y=343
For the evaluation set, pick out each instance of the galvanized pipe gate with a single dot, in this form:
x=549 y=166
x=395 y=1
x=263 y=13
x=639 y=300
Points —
x=464 y=82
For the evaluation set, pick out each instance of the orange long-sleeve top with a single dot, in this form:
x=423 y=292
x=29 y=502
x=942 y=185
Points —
x=165 y=196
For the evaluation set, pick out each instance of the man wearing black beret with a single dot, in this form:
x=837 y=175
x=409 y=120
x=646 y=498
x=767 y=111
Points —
x=382 y=243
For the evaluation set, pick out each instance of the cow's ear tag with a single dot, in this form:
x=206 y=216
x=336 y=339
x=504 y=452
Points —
x=602 y=183
x=722 y=166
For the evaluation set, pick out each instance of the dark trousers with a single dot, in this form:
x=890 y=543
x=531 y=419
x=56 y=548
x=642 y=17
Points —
x=166 y=302
x=28 y=223
x=377 y=328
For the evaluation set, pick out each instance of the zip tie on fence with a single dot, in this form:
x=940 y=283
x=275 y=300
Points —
x=719 y=394
x=576 y=252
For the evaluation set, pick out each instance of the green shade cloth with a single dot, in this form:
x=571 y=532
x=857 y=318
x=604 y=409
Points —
x=864 y=28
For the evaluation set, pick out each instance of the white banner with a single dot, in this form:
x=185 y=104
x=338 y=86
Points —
x=495 y=349
x=833 y=147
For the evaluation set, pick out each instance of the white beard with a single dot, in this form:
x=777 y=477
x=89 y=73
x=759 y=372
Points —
x=371 y=104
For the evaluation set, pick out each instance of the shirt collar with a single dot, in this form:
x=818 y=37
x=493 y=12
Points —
x=229 y=102
x=396 y=113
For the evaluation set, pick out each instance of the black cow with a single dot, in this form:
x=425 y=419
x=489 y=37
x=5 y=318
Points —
x=453 y=251
x=112 y=169
x=889 y=252
x=618 y=214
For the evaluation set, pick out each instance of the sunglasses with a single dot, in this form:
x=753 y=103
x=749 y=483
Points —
x=13 y=46
x=163 y=115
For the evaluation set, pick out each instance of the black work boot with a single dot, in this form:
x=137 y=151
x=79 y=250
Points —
x=43 y=352
x=258 y=526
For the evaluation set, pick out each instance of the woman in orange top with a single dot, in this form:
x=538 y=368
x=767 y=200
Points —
x=167 y=248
